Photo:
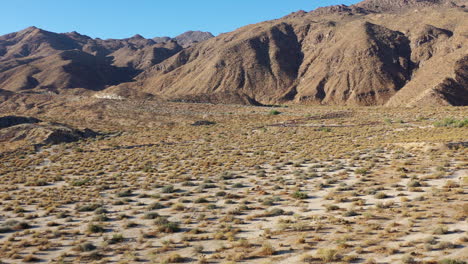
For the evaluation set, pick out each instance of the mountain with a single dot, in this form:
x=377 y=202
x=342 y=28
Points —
x=35 y=60
x=364 y=54
x=377 y=52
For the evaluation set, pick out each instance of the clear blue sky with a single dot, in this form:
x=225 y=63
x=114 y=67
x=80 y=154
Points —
x=150 y=18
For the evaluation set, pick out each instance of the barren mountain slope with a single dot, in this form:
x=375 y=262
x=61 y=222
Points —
x=377 y=52
x=335 y=55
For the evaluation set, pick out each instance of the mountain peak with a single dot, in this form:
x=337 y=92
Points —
x=137 y=36
x=190 y=37
x=30 y=30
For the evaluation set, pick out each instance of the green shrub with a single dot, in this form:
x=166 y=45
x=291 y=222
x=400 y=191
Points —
x=274 y=112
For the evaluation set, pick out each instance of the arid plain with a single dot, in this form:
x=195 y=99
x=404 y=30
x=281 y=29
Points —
x=200 y=183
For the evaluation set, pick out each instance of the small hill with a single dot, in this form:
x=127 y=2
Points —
x=17 y=131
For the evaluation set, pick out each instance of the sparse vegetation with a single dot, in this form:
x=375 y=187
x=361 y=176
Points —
x=358 y=193
x=452 y=122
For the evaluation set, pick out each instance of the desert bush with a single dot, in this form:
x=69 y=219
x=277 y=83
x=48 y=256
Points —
x=125 y=193
x=88 y=207
x=164 y=225
x=85 y=247
x=238 y=185
x=168 y=189
x=174 y=258
x=155 y=206
x=31 y=258
x=275 y=212
x=267 y=250
x=299 y=195
x=101 y=218
x=201 y=200
x=362 y=171
x=80 y=182
x=440 y=230
x=350 y=213
x=13 y=225
x=414 y=183
x=95 y=228
x=331 y=207
x=328 y=255
x=151 y=215
x=116 y=238
x=381 y=195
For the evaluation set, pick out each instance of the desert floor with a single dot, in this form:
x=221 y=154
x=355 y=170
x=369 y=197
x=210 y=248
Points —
x=297 y=184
